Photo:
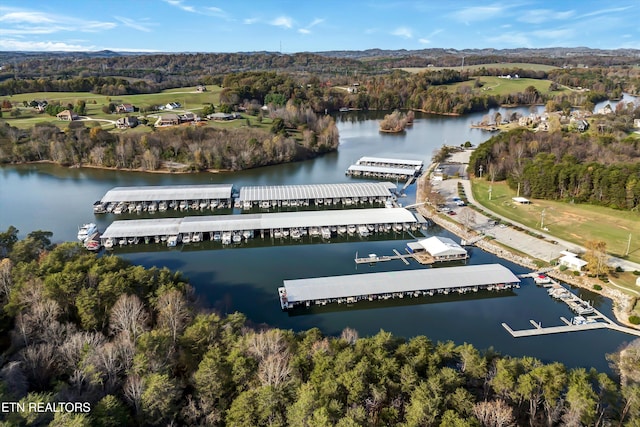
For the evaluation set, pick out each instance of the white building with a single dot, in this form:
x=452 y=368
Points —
x=440 y=248
x=571 y=261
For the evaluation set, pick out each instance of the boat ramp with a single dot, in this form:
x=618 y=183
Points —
x=385 y=168
x=395 y=284
x=238 y=228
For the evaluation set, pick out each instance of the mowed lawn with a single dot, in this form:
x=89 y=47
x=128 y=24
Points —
x=500 y=86
x=577 y=223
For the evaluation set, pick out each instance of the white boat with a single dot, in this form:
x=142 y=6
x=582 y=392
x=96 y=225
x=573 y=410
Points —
x=183 y=205
x=371 y=228
x=236 y=238
x=213 y=204
x=314 y=231
x=326 y=233
x=285 y=232
x=398 y=227
x=246 y=205
x=265 y=204
x=110 y=207
x=226 y=238
x=108 y=244
x=247 y=234
x=203 y=204
x=542 y=279
x=86 y=230
x=342 y=229
x=122 y=242
x=277 y=233
x=117 y=210
x=153 y=206
x=131 y=207
x=217 y=236
x=186 y=239
x=363 y=230
x=351 y=229
x=162 y=206
x=172 y=241
x=139 y=207
x=295 y=233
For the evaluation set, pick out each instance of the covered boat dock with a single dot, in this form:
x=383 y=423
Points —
x=316 y=194
x=326 y=223
x=395 y=284
x=379 y=167
x=161 y=198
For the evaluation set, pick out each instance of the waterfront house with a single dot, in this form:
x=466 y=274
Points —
x=67 y=115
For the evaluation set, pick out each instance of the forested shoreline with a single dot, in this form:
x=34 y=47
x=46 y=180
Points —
x=134 y=345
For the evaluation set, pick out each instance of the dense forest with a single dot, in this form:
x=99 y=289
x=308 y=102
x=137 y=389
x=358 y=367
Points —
x=132 y=345
x=198 y=147
x=599 y=167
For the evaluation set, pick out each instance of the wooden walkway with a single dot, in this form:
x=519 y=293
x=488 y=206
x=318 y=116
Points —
x=422 y=257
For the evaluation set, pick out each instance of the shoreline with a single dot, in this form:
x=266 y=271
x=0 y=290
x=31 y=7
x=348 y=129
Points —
x=180 y=168
x=621 y=301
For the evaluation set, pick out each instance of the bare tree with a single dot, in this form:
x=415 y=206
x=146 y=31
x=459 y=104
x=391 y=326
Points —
x=494 y=414
x=133 y=389
x=129 y=317
x=350 y=335
x=13 y=376
x=274 y=369
x=40 y=363
x=265 y=343
x=468 y=218
x=6 y=282
x=173 y=312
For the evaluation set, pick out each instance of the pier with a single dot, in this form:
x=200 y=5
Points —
x=396 y=284
x=587 y=318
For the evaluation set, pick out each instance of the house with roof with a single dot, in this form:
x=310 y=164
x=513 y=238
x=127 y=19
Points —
x=167 y=120
x=126 y=122
x=172 y=106
x=124 y=108
x=201 y=88
x=67 y=115
x=188 y=117
x=439 y=248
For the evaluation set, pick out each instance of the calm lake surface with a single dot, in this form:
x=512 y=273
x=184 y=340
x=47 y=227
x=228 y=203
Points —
x=246 y=278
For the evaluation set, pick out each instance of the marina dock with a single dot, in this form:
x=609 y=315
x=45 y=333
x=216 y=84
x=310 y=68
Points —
x=587 y=317
x=396 y=284
x=378 y=167
x=238 y=228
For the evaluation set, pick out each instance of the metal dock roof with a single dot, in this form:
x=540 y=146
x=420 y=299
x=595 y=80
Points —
x=316 y=191
x=320 y=288
x=382 y=170
x=383 y=160
x=267 y=221
x=168 y=192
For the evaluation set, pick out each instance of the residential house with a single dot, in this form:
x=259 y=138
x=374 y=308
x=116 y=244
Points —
x=223 y=116
x=172 y=106
x=188 y=117
x=201 y=88
x=67 y=115
x=125 y=108
x=636 y=123
x=126 y=122
x=543 y=127
x=167 y=120
x=605 y=110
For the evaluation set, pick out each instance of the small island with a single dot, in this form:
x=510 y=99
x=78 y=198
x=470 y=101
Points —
x=396 y=122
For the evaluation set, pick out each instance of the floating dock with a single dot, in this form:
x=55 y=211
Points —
x=315 y=194
x=396 y=284
x=379 y=167
x=236 y=228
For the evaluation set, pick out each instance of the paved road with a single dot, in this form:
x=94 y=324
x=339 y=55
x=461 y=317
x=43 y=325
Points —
x=542 y=249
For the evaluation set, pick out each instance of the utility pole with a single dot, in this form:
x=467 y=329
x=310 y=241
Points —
x=480 y=171
x=628 y=246
x=490 y=189
x=542 y=218
x=518 y=195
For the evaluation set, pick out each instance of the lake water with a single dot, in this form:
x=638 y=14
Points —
x=246 y=278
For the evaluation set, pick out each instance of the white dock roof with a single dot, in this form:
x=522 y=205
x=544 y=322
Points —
x=168 y=192
x=320 y=288
x=267 y=221
x=142 y=228
x=382 y=160
x=382 y=170
x=316 y=191
x=441 y=246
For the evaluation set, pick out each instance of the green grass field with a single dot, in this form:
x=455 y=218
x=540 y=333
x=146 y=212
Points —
x=577 y=223
x=501 y=65
x=498 y=86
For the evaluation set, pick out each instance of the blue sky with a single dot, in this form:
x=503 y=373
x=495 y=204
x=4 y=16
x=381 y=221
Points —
x=313 y=26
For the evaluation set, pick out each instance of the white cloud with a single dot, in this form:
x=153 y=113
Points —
x=403 y=32
x=304 y=31
x=136 y=25
x=26 y=17
x=282 y=21
x=250 y=21
x=539 y=16
x=424 y=41
x=559 y=35
x=605 y=11
x=511 y=39
x=10 y=44
x=478 y=13
x=180 y=4
x=307 y=29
